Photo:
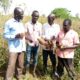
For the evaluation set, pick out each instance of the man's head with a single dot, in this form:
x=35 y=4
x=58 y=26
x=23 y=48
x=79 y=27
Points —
x=35 y=16
x=67 y=25
x=18 y=13
x=51 y=18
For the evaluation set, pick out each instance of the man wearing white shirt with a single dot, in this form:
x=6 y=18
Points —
x=33 y=32
x=14 y=33
x=50 y=32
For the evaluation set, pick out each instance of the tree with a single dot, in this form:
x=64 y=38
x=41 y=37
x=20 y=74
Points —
x=5 y=4
x=61 y=12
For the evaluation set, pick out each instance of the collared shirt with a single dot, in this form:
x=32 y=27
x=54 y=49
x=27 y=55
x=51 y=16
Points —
x=50 y=30
x=34 y=31
x=11 y=29
x=67 y=40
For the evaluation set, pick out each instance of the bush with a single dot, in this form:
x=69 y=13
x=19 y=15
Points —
x=77 y=60
x=3 y=57
x=3 y=52
x=61 y=12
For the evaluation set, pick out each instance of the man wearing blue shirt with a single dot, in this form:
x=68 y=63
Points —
x=14 y=33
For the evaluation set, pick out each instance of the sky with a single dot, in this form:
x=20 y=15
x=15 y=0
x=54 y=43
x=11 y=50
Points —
x=46 y=6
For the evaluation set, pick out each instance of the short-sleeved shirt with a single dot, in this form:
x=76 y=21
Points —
x=34 y=31
x=11 y=29
x=49 y=31
x=67 y=40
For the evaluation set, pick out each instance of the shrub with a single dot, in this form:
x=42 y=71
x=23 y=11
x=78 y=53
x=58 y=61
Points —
x=3 y=52
x=61 y=12
x=3 y=57
x=77 y=60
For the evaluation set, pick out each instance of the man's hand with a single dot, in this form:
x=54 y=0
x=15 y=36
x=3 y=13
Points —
x=42 y=41
x=20 y=35
x=62 y=49
x=50 y=43
x=27 y=37
x=53 y=38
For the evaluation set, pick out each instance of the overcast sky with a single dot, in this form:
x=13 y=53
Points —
x=46 y=6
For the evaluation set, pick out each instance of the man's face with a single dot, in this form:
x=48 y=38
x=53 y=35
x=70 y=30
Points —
x=50 y=19
x=35 y=16
x=66 y=26
x=18 y=14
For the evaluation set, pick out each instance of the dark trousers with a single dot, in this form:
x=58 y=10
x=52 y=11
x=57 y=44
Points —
x=15 y=58
x=49 y=53
x=68 y=64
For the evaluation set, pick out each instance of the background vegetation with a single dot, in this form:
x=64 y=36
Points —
x=61 y=12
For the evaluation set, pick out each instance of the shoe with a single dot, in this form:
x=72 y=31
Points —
x=55 y=76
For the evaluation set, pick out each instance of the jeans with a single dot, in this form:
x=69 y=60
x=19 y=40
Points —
x=49 y=53
x=15 y=59
x=32 y=53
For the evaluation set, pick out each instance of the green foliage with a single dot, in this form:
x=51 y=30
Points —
x=3 y=52
x=3 y=19
x=61 y=12
x=77 y=60
x=3 y=57
x=5 y=4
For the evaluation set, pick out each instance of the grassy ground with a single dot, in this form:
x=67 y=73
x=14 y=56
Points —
x=39 y=73
x=39 y=76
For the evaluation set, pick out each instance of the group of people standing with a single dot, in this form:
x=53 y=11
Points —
x=28 y=38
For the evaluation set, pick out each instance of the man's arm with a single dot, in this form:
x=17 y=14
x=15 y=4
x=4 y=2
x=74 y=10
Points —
x=7 y=33
x=65 y=48
x=27 y=37
x=10 y=35
x=20 y=35
x=75 y=42
x=41 y=41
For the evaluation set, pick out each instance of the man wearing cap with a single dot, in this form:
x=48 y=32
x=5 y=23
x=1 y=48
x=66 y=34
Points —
x=50 y=32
